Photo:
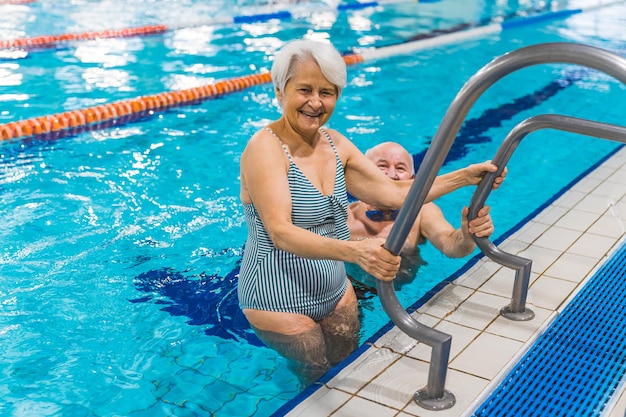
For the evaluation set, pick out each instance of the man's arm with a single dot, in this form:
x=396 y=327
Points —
x=454 y=243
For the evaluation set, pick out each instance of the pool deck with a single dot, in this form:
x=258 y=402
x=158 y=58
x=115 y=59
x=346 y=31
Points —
x=567 y=242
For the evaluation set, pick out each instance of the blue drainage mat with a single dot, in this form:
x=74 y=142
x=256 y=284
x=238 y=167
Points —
x=577 y=364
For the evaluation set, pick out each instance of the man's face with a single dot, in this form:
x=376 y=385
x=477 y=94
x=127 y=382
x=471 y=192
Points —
x=394 y=161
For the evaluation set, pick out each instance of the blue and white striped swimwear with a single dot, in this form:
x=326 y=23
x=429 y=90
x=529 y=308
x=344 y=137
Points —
x=275 y=280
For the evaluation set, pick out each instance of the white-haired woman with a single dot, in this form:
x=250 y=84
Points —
x=295 y=175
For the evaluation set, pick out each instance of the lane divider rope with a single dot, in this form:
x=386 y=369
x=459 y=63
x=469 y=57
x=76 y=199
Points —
x=119 y=111
x=51 y=41
x=464 y=33
x=7 y=2
x=133 y=108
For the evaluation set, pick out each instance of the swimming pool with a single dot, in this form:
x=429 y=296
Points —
x=121 y=245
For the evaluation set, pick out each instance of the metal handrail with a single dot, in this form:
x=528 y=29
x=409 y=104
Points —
x=434 y=396
x=516 y=310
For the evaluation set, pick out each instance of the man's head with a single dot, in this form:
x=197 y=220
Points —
x=393 y=160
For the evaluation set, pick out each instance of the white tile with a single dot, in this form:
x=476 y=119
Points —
x=577 y=220
x=362 y=407
x=594 y=246
x=478 y=311
x=530 y=232
x=322 y=402
x=513 y=246
x=400 y=342
x=487 y=355
x=586 y=185
x=541 y=258
x=501 y=283
x=611 y=189
x=619 y=212
x=520 y=330
x=446 y=301
x=569 y=199
x=571 y=267
x=363 y=370
x=549 y=293
x=478 y=274
x=533 y=277
x=603 y=171
x=594 y=204
x=550 y=215
x=557 y=238
x=609 y=224
x=619 y=165
x=398 y=383
x=461 y=337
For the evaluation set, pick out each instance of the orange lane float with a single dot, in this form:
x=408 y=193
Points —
x=50 y=41
x=106 y=115
x=2 y=2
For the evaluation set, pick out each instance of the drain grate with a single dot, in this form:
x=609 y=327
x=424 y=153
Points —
x=575 y=366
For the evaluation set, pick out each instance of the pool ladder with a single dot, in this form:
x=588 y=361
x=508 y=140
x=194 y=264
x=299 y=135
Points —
x=434 y=396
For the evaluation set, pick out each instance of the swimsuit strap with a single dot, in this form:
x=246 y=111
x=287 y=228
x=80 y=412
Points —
x=331 y=143
x=281 y=143
x=324 y=132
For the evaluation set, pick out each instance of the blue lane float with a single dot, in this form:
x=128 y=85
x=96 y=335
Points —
x=264 y=17
x=539 y=18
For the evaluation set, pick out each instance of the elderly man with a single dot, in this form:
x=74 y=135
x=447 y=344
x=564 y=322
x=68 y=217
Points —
x=366 y=221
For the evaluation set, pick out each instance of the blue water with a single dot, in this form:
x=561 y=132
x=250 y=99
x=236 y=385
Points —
x=120 y=247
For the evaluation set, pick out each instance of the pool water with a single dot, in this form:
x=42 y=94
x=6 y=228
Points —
x=121 y=246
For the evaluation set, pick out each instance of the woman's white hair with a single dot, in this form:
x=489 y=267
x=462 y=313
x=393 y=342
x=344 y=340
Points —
x=330 y=61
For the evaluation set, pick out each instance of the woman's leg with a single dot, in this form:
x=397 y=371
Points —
x=341 y=328
x=296 y=337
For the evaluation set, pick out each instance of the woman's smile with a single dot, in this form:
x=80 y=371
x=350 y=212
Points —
x=311 y=114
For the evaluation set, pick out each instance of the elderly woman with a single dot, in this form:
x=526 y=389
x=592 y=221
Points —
x=295 y=175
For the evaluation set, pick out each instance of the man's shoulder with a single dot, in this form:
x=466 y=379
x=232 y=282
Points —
x=355 y=208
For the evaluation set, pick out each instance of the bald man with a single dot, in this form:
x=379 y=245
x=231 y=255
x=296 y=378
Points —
x=365 y=221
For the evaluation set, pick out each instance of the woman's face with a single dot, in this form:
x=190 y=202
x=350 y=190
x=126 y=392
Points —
x=309 y=98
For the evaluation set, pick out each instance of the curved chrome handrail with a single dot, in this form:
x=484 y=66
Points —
x=516 y=310
x=434 y=395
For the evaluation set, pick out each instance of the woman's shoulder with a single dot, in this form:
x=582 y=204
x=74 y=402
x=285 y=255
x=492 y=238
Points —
x=263 y=138
x=334 y=134
x=264 y=132
x=263 y=147
x=344 y=146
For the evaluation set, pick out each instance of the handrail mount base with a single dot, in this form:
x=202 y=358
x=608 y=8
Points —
x=443 y=403
x=525 y=315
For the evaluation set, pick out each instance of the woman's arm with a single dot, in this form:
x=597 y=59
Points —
x=368 y=183
x=365 y=181
x=470 y=175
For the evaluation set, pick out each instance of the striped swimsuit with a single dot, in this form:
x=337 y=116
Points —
x=275 y=280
